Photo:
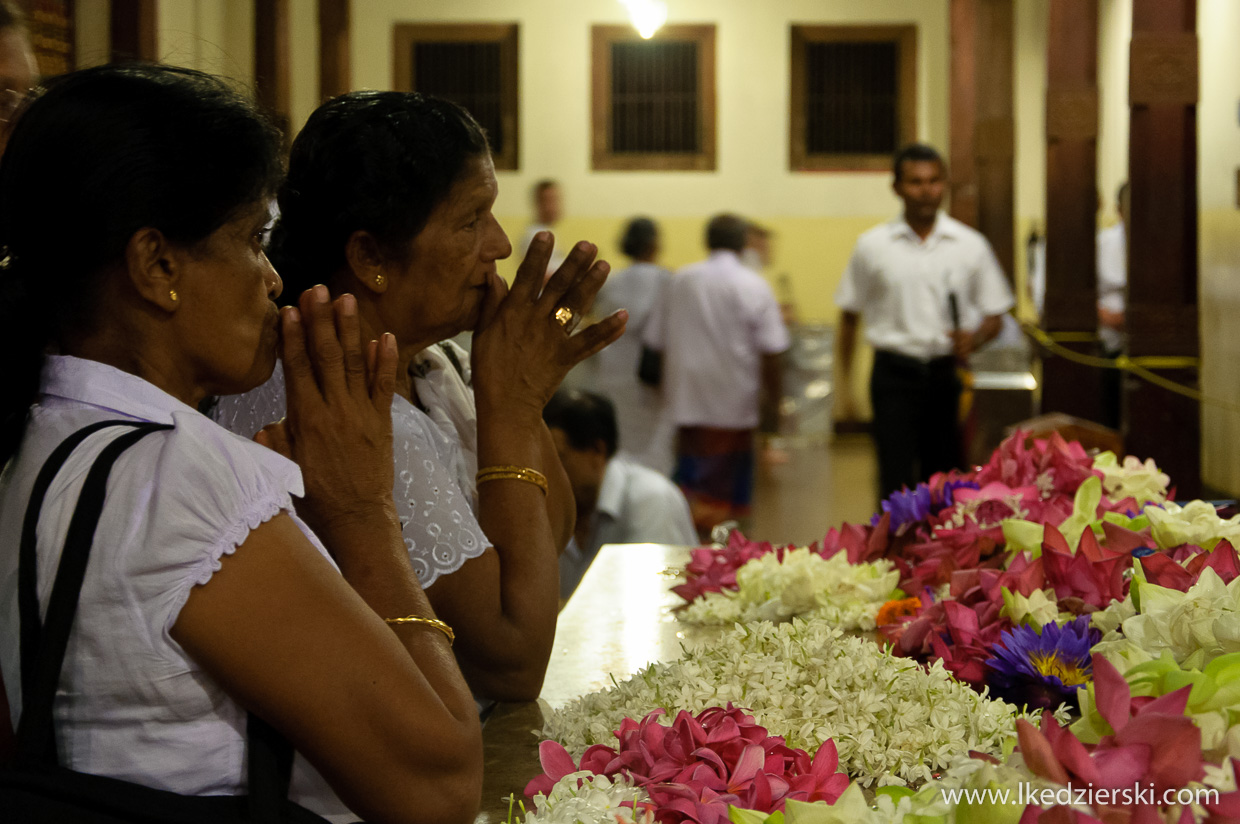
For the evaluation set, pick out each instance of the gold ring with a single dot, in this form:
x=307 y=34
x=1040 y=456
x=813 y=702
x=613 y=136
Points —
x=563 y=316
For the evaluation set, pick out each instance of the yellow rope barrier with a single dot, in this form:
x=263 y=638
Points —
x=1140 y=366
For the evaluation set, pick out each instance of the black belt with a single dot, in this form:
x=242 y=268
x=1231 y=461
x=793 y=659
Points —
x=901 y=361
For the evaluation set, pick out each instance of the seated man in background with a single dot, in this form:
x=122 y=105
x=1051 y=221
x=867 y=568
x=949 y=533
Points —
x=618 y=501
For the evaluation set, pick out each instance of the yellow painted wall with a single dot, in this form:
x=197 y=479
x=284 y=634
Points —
x=816 y=216
x=1218 y=27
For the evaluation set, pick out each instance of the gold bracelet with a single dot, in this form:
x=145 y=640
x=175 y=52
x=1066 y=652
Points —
x=430 y=622
x=512 y=473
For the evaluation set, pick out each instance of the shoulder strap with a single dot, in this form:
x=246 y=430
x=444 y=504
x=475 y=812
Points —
x=41 y=671
x=43 y=646
x=28 y=562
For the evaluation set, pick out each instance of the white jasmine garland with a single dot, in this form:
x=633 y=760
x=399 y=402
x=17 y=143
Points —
x=804 y=584
x=892 y=720
x=598 y=800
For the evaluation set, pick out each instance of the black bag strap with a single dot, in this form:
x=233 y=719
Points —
x=44 y=643
x=28 y=562
x=50 y=639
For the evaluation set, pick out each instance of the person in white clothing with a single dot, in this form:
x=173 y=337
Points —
x=644 y=431
x=1112 y=250
x=618 y=501
x=411 y=234
x=931 y=292
x=207 y=596
x=721 y=336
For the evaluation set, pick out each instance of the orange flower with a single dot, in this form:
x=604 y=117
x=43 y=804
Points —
x=894 y=610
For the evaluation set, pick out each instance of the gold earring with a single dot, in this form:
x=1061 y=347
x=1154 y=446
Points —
x=379 y=279
x=172 y=293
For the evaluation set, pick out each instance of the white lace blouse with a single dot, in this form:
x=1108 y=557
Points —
x=131 y=704
x=434 y=482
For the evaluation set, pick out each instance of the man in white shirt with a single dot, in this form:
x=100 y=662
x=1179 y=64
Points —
x=721 y=336
x=619 y=501
x=548 y=209
x=1112 y=292
x=931 y=292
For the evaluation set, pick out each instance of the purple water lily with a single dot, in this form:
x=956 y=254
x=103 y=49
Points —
x=1043 y=669
x=911 y=506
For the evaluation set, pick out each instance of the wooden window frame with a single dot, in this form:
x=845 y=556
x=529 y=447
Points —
x=905 y=37
x=405 y=35
x=603 y=158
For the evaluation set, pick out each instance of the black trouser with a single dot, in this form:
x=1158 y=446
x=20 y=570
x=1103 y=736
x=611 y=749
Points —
x=916 y=405
x=1112 y=391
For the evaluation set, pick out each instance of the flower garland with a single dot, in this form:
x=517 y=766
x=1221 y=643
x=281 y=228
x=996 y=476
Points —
x=892 y=720
x=802 y=584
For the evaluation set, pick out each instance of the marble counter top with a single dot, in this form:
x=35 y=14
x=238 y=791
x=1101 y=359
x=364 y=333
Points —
x=618 y=621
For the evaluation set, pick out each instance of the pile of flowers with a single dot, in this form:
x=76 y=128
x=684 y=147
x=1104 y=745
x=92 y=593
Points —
x=892 y=720
x=1050 y=622
x=800 y=583
x=694 y=769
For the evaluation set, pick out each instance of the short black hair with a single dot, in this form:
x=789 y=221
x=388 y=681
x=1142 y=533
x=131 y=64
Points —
x=585 y=417
x=543 y=185
x=915 y=153
x=639 y=238
x=374 y=161
x=726 y=231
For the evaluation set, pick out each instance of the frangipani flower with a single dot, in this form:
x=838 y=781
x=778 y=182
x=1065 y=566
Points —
x=1042 y=667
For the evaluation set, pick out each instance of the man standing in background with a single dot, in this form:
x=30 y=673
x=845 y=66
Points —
x=548 y=209
x=1112 y=295
x=721 y=336
x=931 y=292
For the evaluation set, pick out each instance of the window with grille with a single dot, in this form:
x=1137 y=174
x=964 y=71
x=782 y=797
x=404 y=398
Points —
x=474 y=65
x=654 y=100
x=51 y=35
x=853 y=95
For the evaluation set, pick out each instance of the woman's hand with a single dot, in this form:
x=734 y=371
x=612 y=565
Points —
x=521 y=352
x=339 y=424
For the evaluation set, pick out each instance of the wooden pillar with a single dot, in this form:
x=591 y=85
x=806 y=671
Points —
x=1161 y=313
x=982 y=150
x=134 y=36
x=334 y=53
x=1070 y=311
x=271 y=59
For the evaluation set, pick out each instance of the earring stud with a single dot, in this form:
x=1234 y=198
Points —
x=172 y=293
x=379 y=281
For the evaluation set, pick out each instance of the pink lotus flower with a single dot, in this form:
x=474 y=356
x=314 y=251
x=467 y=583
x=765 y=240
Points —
x=699 y=765
x=1088 y=580
x=1055 y=466
x=1163 y=570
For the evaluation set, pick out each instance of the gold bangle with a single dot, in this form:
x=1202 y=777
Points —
x=512 y=473
x=430 y=622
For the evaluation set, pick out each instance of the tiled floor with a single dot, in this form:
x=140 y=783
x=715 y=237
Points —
x=818 y=487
